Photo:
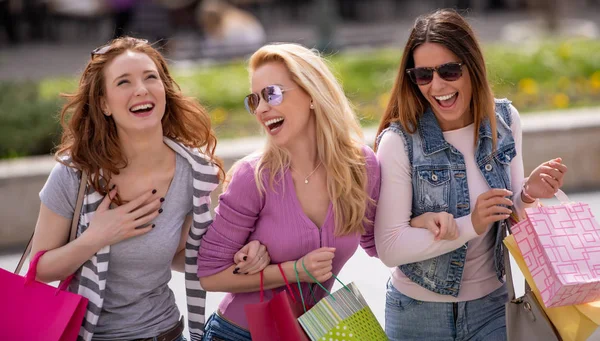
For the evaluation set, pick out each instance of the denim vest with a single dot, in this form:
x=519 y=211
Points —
x=439 y=181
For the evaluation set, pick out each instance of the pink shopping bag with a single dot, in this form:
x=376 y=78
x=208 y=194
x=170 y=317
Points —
x=561 y=247
x=34 y=311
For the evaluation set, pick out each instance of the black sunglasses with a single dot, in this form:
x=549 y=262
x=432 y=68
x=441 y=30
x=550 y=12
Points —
x=105 y=48
x=424 y=75
x=273 y=94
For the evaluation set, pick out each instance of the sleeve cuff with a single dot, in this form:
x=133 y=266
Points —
x=520 y=205
x=465 y=227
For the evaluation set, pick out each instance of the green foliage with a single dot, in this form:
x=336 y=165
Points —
x=548 y=75
x=28 y=123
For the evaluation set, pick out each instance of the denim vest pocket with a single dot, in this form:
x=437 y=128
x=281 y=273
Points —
x=434 y=188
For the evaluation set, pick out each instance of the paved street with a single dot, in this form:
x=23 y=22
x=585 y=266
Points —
x=369 y=274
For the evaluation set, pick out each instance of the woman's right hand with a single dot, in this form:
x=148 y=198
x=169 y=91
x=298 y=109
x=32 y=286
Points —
x=319 y=263
x=488 y=208
x=441 y=224
x=110 y=226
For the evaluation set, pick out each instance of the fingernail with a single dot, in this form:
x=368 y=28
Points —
x=153 y=191
x=245 y=258
x=160 y=210
x=162 y=199
x=153 y=225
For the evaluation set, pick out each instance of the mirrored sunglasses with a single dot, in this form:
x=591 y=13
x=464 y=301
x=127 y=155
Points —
x=273 y=94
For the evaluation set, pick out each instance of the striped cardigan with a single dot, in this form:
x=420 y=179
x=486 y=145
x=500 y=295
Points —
x=91 y=279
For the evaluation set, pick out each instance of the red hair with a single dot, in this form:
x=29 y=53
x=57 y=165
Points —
x=89 y=137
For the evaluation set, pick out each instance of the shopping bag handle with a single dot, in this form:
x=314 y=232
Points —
x=562 y=197
x=317 y=282
x=32 y=272
x=299 y=286
x=262 y=287
x=321 y=285
x=287 y=284
x=262 y=284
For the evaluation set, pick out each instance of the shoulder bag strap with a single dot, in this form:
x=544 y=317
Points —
x=509 y=280
x=74 y=221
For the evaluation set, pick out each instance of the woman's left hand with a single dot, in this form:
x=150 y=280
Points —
x=251 y=259
x=546 y=179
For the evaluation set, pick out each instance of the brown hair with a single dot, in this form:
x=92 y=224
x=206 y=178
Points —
x=451 y=30
x=89 y=137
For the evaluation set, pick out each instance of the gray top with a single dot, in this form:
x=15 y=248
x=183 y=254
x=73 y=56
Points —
x=138 y=301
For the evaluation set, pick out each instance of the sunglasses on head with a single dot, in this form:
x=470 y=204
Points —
x=273 y=94
x=105 y=48
x=424 y=75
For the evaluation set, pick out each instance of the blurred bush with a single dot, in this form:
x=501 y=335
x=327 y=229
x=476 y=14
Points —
x=28 y=122
x=549 y=75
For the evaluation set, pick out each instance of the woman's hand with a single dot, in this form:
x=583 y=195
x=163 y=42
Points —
x=251 y=259
x=544 y=181
x=490 y=208
x=441 y=224
x=319 y=263
x=111 y=226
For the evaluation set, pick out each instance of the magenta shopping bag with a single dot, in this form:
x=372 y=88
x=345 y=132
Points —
x=561 y=247
x=276 y=319
x=34 y=311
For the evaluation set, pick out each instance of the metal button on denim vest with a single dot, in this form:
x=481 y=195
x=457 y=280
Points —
x=439 y=181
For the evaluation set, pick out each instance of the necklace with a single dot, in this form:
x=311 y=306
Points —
x=311 y=173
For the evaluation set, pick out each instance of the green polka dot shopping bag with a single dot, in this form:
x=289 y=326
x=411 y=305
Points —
x=343 y=315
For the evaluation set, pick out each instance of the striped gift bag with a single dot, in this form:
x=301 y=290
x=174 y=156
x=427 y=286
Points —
x=343 y=315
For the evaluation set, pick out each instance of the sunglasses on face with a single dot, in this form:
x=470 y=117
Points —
x=105 y=48
x=273 y=94
x=424 y=75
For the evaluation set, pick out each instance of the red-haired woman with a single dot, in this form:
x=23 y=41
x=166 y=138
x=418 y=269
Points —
x=149 y=153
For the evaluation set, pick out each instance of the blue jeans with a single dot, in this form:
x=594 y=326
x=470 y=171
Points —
x=219 y=329
x=478 y=320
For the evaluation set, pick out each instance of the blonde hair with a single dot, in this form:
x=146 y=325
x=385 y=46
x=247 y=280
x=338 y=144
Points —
x=339 y=135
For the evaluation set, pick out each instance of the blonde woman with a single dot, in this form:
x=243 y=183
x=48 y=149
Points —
x=309 y=197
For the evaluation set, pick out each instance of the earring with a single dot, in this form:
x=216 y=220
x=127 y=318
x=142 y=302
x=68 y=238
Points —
x=312 y=106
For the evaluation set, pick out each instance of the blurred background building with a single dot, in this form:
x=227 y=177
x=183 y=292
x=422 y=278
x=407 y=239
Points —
x=193 y=29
